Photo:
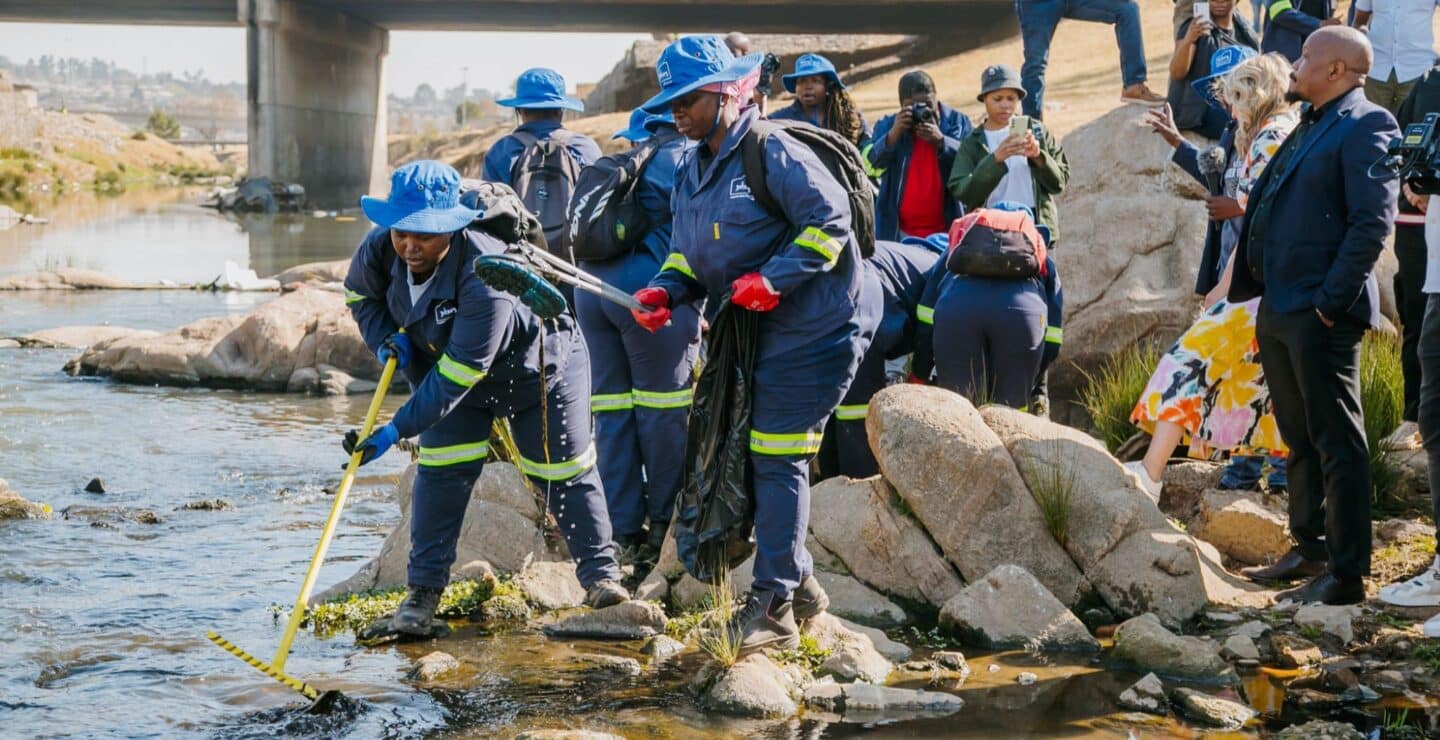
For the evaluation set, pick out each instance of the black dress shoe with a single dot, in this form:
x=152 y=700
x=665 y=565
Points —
x=1290 y=566
x=1326 y=588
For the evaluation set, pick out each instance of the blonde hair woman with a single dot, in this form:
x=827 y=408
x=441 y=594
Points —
x=1209 y=387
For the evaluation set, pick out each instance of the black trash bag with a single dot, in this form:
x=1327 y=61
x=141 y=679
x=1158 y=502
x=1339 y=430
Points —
x=715 y=508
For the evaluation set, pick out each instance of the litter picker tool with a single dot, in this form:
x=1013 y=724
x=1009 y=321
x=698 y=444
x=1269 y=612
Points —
x=517 y=274
x=275 y=669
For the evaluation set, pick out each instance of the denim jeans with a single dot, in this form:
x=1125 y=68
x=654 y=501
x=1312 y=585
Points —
x=1244 y=472
x=1038 y=19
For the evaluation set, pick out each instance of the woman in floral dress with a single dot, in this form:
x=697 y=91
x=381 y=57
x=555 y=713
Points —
x=1209 y=388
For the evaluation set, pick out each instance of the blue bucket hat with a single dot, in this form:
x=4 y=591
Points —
x=541 y=89
x=808 y=65
x=634 y=131
x=694 y=62
x=1222 y=62
x=1010 y=205
x=424 y=198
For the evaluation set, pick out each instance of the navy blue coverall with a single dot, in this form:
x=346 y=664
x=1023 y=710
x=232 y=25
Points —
x=989 y=339
x=642 y=382
x=478 y=357
x=901 y=270
x=808 y=347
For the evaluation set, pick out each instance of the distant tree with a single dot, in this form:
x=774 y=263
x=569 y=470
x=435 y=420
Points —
x=163 y=124
x=424 y=94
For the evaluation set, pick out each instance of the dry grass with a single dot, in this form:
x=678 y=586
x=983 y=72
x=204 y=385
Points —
x=716 y=639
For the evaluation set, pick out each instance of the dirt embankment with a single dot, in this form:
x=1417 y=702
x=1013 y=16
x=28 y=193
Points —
x=65 y=150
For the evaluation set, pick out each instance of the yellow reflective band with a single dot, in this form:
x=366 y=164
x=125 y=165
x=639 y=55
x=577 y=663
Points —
x=926 y=315
x=818 y=241
x=602 y=402
x=435 y=457
x=564 y=470
x=678 y=263
x=870 y=169
x=1279 y=6
x=804 y=443
x=458 y=372
x=664 y=400
x=855 y=412
x=353 y=297
x=1054 y=334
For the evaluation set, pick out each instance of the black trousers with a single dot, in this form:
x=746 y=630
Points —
x=1410 y=303
x=1430 y=400
x=1313 y=373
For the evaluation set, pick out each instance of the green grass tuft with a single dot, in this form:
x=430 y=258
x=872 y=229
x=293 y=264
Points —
x=1111 y=393
x=1382 y=397
x=1050 y=475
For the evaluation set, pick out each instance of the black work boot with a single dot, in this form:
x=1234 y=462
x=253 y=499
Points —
x=649 y=552
x=605 y=593
x=416 y=613
x=810 y=600
x=767 y=621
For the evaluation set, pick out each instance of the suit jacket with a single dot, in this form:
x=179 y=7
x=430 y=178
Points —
x=1331 y=210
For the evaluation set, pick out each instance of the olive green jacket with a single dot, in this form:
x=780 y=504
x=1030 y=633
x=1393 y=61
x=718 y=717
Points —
x=976 y=174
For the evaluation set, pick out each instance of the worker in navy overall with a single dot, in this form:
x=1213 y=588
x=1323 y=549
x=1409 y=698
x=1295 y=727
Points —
x=642 y=381
x=802 y=273
x=901 y=269
x=822 y=100
x=981 y=337
x=472 y=354
x=540 y=102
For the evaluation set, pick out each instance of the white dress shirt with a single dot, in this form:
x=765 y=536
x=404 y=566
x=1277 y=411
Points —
x=1402 y=37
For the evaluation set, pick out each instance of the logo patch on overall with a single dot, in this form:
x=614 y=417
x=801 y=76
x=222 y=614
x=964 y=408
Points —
x=542 y=193
x=444 y=312
x=740 y=188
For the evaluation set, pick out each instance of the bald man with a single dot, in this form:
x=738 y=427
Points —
x=1316 y=222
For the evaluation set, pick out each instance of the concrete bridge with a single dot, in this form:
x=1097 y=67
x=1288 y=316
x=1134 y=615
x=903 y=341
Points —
x=316 y=68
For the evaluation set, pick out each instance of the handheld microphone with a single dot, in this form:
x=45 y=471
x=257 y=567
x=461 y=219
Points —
x=1212 y=166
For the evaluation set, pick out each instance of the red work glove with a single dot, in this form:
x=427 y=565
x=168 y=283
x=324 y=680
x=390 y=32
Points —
x=915 y=380
x=656 y=318
x=754 y=292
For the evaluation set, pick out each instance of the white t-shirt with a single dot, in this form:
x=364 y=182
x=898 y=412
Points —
x=418 y=291
x=1432 y=246
x=1017 y=185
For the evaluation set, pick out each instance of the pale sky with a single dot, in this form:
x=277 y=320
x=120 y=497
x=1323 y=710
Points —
x=494 y=59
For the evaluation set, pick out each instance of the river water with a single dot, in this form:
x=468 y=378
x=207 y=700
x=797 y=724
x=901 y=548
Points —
x=102 y=618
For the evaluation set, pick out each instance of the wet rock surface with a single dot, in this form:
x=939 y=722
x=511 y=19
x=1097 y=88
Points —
x=753 y=687
x=433 y=666
x=1211 y=710
x=1146 y=695
x=12 y=506
x=1146 y=644
x=631 y=620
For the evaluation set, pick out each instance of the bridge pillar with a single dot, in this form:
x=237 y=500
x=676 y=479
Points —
x=316 y=99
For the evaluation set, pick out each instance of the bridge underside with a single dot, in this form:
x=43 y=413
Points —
x=316 y=68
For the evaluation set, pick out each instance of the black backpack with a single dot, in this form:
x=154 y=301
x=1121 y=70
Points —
x=606 y=220
x=838 y=155
x=544 y=176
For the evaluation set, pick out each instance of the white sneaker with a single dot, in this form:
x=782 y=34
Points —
x=1422 y=590
x=1431 y=628
x=1149 y=485
x=1405 y=437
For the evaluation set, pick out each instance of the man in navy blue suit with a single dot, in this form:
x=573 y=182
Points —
x=1316 y=222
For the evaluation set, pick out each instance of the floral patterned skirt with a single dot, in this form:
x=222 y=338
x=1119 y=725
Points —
x=1211 y=384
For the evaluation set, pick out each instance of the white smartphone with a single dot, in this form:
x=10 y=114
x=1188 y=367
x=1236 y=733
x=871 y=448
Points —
x=1202 y=10
x=1019 y=125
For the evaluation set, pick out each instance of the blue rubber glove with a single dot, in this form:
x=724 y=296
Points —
x=396 y=345
x=373 y=446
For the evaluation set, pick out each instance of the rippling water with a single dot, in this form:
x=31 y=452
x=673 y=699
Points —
x=102 y=626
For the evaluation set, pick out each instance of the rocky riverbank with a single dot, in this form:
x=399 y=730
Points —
x=989 y=531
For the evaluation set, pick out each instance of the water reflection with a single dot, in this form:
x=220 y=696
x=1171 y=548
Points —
x=153 y=235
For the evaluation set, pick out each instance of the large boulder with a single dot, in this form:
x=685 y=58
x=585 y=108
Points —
x=314 y=272
x=862 y=524
x=1072 y=475
x=853 y=655
x=1009 y=609
x=754 y=687
x=1246 y=526
x=288 y=344
x=502 y=528
x=1132 y=232
x=956 y=476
